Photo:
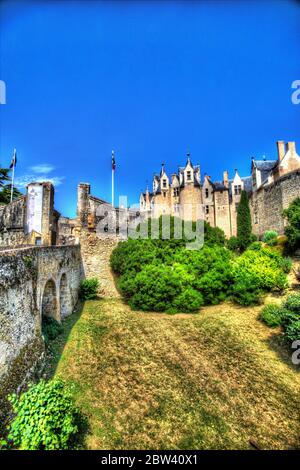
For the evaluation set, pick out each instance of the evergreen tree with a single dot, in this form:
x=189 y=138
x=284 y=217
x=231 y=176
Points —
x=244 y=222
x=5 y=187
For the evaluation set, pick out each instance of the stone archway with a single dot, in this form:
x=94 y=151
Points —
x=65 y=298
x=49 y=300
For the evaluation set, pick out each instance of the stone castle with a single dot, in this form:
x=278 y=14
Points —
x=44 y=255
x=272 y=185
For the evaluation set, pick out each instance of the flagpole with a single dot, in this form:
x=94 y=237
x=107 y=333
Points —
x=13 y=176
x=112 y=181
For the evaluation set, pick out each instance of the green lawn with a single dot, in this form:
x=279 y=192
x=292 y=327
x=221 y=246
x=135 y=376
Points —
x=217 y=379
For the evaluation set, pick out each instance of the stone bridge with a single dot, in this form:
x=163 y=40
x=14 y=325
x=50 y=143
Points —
x=34 y=281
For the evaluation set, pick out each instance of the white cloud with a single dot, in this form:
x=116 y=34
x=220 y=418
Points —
x=43 y=168
x=22 y=181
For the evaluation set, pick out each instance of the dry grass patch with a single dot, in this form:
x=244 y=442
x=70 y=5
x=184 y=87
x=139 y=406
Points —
x=154 y=381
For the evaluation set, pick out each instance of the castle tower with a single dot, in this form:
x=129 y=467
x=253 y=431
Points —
x=40 y=220
x=190 y=194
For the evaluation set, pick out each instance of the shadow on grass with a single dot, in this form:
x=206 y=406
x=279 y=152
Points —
x=55 y=347
x=277 y=344
x=54 y=350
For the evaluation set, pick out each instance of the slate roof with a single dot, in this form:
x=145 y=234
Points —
x=265 y=167
x=219 y=186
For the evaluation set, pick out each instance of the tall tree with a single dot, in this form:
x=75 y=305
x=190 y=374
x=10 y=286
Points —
x=244 y=227
x=292 y=229
x=5 y=187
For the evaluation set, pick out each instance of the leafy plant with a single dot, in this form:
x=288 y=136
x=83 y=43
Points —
x=88 y=289
x=270 y=237
x=271 y=315
x=45 y=418
x=287 y=315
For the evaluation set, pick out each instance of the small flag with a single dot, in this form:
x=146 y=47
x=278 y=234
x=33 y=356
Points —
x=113 y=161
x=14 y=159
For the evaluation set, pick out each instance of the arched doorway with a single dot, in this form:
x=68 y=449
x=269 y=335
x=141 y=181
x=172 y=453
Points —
x=49 y=301
x=65 y=297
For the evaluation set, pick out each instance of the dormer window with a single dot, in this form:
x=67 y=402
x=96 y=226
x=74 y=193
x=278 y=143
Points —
x=206 y=192
x=237 y=189
x=164 y=183
x=176 y=192
x=189 y=175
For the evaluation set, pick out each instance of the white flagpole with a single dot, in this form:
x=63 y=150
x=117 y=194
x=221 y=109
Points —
x=112 y=180
x=13 y=176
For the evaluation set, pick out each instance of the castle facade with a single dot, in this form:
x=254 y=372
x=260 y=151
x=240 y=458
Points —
x=271 y=186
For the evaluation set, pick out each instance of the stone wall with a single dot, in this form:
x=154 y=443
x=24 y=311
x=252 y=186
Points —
x=268 y=202
x=222 y=211
x=12 y=222
x=33 y=281
x=96 y=253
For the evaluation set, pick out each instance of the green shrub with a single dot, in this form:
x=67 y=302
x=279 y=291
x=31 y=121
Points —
x=288 y=316
x=270 y=237
x=189 y=300
x=264 y=266
x=159 y=275
x=88 y=289
x=45 y=418
x=216 y=283
x=246 y=289
x=292 y=331
x=213 y=235
x=154 y=288
x=292 y=303
x=51 y=328
x=271 y=315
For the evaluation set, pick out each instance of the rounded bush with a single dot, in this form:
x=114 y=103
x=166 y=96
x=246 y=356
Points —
x=292 y=302
x=45 y=418
x=155 y=288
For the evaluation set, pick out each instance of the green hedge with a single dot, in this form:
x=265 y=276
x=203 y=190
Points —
x=162 y=275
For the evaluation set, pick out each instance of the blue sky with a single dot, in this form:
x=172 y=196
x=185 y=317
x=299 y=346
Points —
x=149 y=80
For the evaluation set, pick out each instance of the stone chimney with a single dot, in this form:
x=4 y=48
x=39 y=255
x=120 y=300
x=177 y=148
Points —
x=292 y=147
x=225 y=179
x=83 y=192
x=280 y=150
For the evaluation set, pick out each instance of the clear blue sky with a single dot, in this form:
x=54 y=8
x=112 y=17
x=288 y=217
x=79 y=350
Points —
x=149 y=80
